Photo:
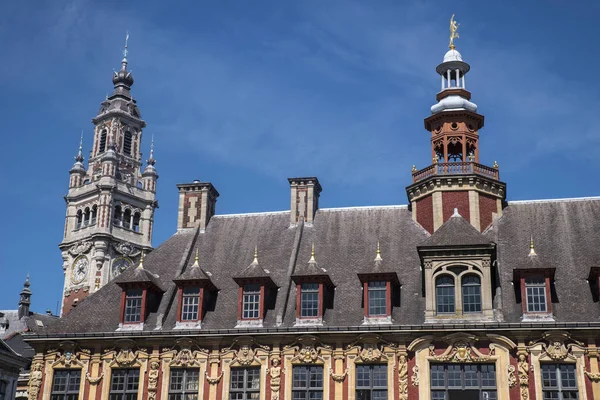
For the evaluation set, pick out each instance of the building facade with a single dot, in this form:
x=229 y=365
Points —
x=111 y=203
x=459 y=295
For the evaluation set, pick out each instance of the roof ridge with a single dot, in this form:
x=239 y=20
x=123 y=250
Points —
x=560 y=200
x=334 y=209
x=254 y=214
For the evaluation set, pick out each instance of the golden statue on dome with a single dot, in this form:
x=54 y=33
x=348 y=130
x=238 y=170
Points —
x=453 y=32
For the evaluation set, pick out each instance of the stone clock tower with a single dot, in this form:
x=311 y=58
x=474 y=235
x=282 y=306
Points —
x=111 y=203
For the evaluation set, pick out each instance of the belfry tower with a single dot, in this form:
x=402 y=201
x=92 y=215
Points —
x=111 y=203
x=455 y=179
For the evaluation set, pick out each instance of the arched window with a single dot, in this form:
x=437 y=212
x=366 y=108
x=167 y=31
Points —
x=94 y=215
x=444 y=294
x=118 y=217
x=79 y=219
x=136 y=222
x=102 y=147
x=86 y=217
x=127 y=143
x=127 y=219
x=471 y=293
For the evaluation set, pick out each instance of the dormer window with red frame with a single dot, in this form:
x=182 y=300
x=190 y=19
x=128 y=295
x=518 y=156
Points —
x=313 y=292
x=379 y=289
x=254 y=294
x=134 y=305
x=141 y=296
x=534 y=290
x=194 y=295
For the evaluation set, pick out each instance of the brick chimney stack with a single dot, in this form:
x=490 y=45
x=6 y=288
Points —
x=196 y=204
x=304 y=199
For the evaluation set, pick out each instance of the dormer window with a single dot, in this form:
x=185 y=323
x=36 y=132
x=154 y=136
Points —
x=134 y=300
x=310 y=300
x=190 y=304
x=379 y=284
x=532 y=288
x=251 y=301
x=195 y=291
x=377 y=298
x=141 y=296
x=256 y=294
x=535 y=294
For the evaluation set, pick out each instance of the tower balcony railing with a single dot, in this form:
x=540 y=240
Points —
x=456 y=168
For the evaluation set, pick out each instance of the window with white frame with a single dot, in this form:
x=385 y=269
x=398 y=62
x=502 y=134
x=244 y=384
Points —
x=190 y=305
x=559 y=382
x=535 y=292
x=471 y=293
x=444 y=294
x=309 y=300
x=377 y=298
x=133 y=305
x=184 y=384
x=251 y=302
x=245 y=384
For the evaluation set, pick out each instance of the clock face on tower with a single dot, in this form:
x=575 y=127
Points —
x=120 y=264
x=80 y=270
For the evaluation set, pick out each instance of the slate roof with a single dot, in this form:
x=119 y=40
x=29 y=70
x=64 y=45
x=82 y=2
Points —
x=565 y=233
x=457 y=231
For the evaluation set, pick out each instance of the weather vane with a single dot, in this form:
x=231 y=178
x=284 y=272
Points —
x=126 y=52
x=453 y=32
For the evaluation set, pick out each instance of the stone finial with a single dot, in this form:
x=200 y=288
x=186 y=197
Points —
x=456 y=214
x=141 y=265
x=414 y=169
x=495 y=165
x=255 y=261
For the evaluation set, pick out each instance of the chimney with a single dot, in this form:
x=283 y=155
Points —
x=304 y=199
x=196 y=204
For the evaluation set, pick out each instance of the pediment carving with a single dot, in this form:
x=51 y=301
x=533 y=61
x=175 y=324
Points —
x=461 y=350
x=186 y=353
x=245 y=351
x=557 y=346
x=69 y=355
x=370 y=348
x=126 y=249
x=307 y=349
x=125 y=353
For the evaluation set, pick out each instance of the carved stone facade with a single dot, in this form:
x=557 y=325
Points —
x=408 y=362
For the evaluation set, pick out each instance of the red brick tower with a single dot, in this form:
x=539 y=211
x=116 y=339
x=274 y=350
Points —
x=455 y=179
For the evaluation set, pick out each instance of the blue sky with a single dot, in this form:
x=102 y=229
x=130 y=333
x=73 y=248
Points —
x=246 y=94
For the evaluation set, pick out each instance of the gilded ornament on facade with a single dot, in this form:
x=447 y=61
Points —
x=274 y=372
x=338 y=377
x=512 y=380
x=523 y=375
x=35 y=380
x=403 y=377
x=213 y=380
x=594 y=377
x=307 y=349
x=554 y=345
x=69 y=355
x=460 y=352
x=185 y=353
x=415 y=376
x=246 y=353
x=153 y=379
x=125 y=354
x=370 y=348
x=94 y=381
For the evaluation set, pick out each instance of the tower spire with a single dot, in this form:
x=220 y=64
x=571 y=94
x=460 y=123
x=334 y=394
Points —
x=151 y=160
x=125 y=52
x=79 y=157
x=25 y=299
